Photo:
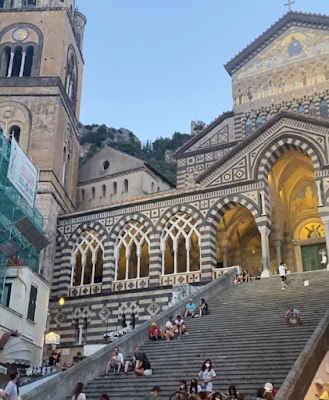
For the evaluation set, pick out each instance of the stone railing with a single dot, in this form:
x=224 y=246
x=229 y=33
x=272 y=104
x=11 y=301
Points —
x=130 y=284
x=217 y=272
x=60 y=387
x=180 y=279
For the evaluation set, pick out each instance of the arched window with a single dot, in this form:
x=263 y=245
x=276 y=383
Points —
x=248 y=126
x=93 y=192
x=311 y=108
x=115 y=187
x=82 y=195
x=28 y=61
x=103 y=190
x=152 y=187
x=87 y=260
x=259 y=121
x=71 y=76
x=5 y=61
x=125 y=185
x=268 y=116
x=18 y=56
x=131 y=252
x=324 y=108
x=180 y=245
x=15 y=132
x=301 y=109
x=158 y=189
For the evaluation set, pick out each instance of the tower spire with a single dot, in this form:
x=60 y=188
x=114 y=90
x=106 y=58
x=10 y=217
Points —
x=289 y=4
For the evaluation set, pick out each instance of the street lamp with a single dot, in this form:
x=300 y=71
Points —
x=61 y=301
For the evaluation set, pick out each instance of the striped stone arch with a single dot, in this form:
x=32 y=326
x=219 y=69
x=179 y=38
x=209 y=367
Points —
x=138 y=217
x=98 y=227
x=188 y=209
x=208 y=239
x=224 y=204
x=60 y=240
x=271 y=153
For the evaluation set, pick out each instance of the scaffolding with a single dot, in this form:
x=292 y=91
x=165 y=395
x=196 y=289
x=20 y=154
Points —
x=21 y=226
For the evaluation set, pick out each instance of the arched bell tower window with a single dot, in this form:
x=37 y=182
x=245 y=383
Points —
x=71 y=80
x=125 y=186
x=115 y=188
x=301 y=109
x=87 y=260
x=17 y=61
x=14 y=132
x=248 y=126
x=311 y=108
x=268 y=116
x=324 y=108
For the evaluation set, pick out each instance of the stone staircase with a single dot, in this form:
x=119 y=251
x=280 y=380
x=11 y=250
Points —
x=245 y=336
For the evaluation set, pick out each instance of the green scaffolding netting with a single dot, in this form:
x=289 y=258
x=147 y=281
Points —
x=13 y=208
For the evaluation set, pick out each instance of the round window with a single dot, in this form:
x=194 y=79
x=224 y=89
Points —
x=106 y=165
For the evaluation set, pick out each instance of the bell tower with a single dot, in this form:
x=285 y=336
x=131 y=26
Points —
x=41 y=67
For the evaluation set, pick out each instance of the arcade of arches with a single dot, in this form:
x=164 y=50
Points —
x=296 y=237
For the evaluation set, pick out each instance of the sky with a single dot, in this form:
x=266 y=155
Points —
x=153 y=66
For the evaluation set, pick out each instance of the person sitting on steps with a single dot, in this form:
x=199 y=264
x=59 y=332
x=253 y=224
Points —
x=203 y=308
x=115 y=362
x=144 y=367
x=194 y=388
x=190 y=309
x=183 y=390
x=180 y=325
x=156 y=391
x=170 y=329
x=154 y=332
x=293 y=316
x=135 y=357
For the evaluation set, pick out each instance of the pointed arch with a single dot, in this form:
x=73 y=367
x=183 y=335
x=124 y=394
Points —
x=87 y=259
x=248 y=126
x=278 y=146
x=224 y=204
x=188 y=209
x=312 y=108
x=323 y=108
x=259 y=121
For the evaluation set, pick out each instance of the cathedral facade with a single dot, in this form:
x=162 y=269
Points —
x=252 y=190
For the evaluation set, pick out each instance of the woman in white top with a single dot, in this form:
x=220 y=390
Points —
x=78 y=392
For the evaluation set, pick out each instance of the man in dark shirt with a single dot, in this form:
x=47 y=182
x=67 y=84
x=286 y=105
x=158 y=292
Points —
x=134 y=360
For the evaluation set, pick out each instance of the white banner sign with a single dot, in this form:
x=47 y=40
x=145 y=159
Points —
x=22 y=173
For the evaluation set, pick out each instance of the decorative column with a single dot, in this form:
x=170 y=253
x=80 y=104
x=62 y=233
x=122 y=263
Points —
x=278 y=248
x=11 y=63
x=208 y=250
x=265 y=233
x=223 y=250
x=325 y=220
x=21 y=71
x=157 y=260
x=83 y=262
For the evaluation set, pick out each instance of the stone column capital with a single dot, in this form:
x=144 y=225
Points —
x=264 y=230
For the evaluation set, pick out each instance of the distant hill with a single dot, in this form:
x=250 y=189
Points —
x=158 y=154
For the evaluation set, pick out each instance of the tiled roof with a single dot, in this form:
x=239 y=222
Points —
x=282 y=114
x=200 y=135
x=319 y=21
